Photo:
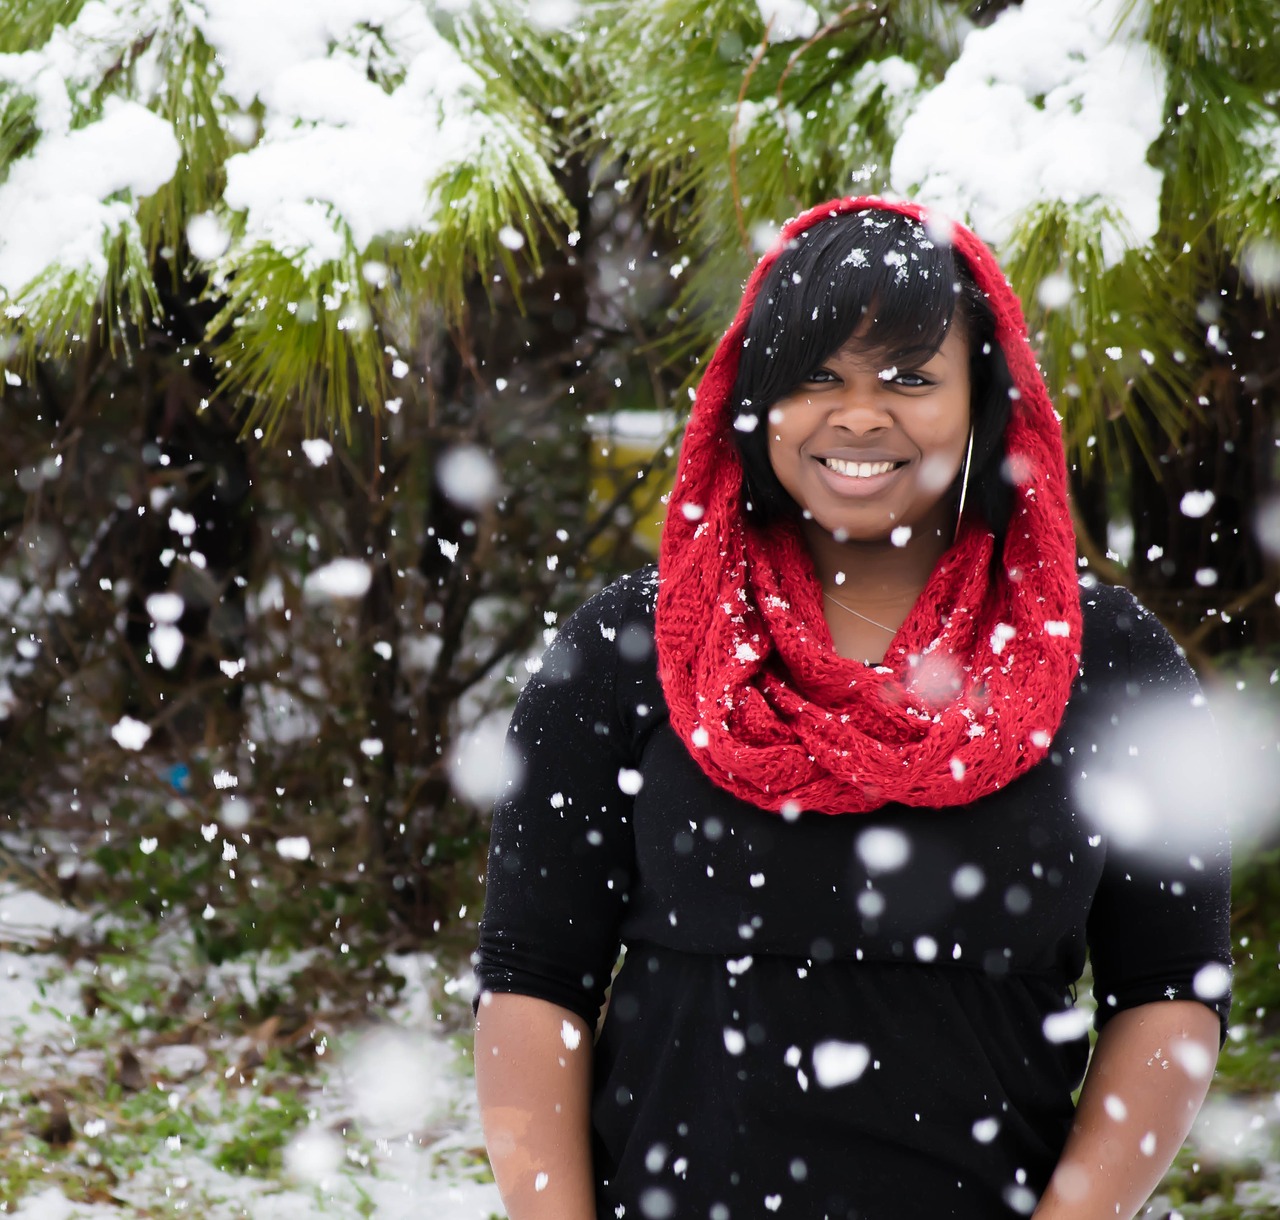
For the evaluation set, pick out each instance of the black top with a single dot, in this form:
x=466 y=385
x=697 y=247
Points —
x=841 y=1016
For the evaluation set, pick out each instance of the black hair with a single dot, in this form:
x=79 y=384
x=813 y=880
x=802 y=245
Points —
x=882 y=268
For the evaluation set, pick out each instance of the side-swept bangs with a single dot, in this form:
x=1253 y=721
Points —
x=877 y=268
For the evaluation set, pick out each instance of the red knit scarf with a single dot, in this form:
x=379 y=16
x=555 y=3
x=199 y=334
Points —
x=974 y=684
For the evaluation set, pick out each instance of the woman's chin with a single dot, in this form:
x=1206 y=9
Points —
x=857 y=533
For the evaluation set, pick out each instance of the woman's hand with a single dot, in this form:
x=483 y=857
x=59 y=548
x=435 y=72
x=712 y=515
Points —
x=1146 y=1081
x=533 y=1078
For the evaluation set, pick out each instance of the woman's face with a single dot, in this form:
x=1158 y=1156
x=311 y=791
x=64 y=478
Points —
x=867 y=447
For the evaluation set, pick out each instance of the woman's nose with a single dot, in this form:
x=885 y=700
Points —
x=860 y=409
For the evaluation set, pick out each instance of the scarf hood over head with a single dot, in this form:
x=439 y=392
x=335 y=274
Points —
x=975 y=683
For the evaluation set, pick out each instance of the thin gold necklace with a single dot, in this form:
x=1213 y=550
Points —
x=859 y=614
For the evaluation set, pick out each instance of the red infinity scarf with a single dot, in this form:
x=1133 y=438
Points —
x=974 y=684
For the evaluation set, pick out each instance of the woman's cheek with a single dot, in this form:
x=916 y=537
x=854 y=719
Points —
x=937 y=472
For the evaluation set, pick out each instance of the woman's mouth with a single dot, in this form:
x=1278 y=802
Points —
x=860 y=470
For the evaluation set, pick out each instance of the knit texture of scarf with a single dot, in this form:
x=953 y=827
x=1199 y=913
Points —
x=973 y=686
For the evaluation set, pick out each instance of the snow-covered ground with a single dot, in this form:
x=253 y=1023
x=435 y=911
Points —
x=391 y=1130
x=411 y=1193
x=385 y=1121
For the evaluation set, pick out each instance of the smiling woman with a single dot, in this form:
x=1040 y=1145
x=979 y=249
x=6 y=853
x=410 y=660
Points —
x=820 y=774
x=870 y=355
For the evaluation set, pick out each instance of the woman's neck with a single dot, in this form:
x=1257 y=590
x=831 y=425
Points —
x=876 y=573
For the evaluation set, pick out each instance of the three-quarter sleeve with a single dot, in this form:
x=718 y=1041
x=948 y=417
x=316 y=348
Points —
x=561 y=851
x=1160 y=924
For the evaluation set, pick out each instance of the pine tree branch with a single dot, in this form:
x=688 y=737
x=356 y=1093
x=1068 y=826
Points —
x=735 y=142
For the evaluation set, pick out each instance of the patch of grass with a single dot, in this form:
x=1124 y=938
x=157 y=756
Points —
x=1229 y=1148
x=259 y=1021
x=117 y=1134
x=266 y=1126
x=1192 y=1182
x=1251 y=1065
x=140 y=990
x=26 y=1167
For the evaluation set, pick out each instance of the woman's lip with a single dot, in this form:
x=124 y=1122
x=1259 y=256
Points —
x=852 y=486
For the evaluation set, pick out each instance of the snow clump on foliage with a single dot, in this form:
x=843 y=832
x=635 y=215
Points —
x=788 y=19
x=366 y=108
x=339 y=153
x=61 y=206
x=1049 y=103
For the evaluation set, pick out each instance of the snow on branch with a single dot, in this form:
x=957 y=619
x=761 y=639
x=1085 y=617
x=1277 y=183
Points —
x=788 y=20
x=340 y=152
x=320 y=132
x=1056 y=101
x=63 y=205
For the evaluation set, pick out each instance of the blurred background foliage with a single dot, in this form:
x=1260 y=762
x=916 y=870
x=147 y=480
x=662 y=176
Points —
x=479 y=415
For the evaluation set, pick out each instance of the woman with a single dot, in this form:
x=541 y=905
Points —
x=831 y=776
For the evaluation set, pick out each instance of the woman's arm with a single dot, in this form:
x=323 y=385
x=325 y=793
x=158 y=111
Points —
x=561 y=861
x=533 y=1078
x=1147 y=1078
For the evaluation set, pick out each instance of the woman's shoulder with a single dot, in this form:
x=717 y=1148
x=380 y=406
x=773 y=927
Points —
x=1114 y=609
x=630 y=597
x=637 y=591
x=614 y=624
x=1120 y=633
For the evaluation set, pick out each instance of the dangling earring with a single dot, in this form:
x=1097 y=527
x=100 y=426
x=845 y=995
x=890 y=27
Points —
x=964 y=486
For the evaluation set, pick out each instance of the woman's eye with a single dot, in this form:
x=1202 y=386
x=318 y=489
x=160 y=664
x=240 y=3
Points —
x=911 y=380
x=819 y=375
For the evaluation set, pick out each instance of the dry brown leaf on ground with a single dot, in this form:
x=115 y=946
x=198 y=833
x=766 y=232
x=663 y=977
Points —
x=129 y=1073
x=56 y=1130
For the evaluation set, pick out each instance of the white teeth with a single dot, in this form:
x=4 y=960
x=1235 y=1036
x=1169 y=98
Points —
x=859 y=470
